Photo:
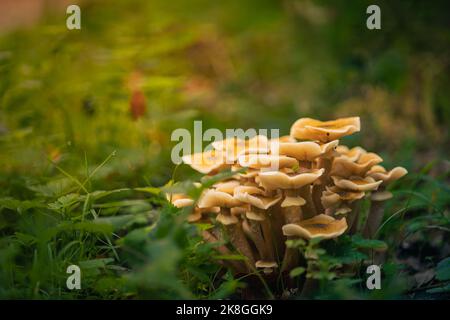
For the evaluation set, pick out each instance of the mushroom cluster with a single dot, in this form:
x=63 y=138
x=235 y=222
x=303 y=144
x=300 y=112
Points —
x=304 y=185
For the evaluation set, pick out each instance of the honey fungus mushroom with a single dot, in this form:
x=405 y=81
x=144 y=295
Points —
x=304 y=185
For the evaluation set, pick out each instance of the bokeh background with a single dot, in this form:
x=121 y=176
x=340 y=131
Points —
x=111 y=94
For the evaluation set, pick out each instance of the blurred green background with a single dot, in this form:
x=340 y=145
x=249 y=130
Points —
x=98 y=106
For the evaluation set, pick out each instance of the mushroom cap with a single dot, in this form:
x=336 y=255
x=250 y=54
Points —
x=330 y=199
x=324 y=131
x=319 y=226
x=271 y=180
x=303 y=151
x=234 y=147
x=182 y=203
x=227 y=219
x=255 y=197
x=381 y=196
x=259 y=161
x=214 y=198
x=242 y=209
x=342 y=211
x=179 y=200
x=256 y=216
x=329 y=148
x=293 y=201
x=352 y=154
x=208 y=162
x=388 y=177
x=194 y=217
x=376 y=169
x=356 y=183
x=266 y=264
x=227 y=186
x=345 y=167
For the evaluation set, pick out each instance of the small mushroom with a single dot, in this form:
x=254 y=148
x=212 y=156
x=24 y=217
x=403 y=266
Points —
x=267 y=266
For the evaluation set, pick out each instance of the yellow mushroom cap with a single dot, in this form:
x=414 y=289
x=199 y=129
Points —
x=179 y=200
x=194 y=217
x=207 y=162
x=329 y=148
x=352 y=154
x=303 y=151
x=259 y=161
x=214 y=198
x=271 y=180
x=342 y=211
x=344 y=167
x=388 y=177
x=356 y=183
x=376 y=169
x=266 y=264
x=324 y=131
x=293 y=202
x=319 y=226
x=381 y=196
x=227 y=186
x=254 y=196
x=256 y=216
x=242 y=209
x=235 y=147
x=227 y=219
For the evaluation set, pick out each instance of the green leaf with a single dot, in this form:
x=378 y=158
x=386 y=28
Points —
x=297 y=271
x=443 y=270
x=443 y=289
x=362 y=243
x=95 y=263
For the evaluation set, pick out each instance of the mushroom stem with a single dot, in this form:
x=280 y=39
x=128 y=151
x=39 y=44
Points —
x=237 y=266
x=374 y=219
x=253 y=230
x=266 y=228
x=352 y=219
x=324 y=180
x=291 y=258
x=292 y=214
x=237 y=238
x=309 y=210
x=277 y=222
x=309 y=287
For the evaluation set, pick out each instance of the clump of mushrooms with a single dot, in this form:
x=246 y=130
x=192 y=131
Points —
x=313 y=191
